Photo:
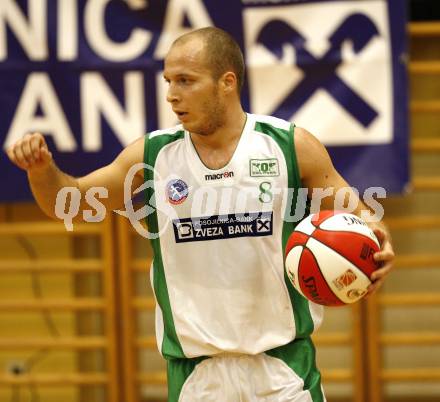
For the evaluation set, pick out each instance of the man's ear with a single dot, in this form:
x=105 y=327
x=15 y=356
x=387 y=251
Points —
x=229 y=82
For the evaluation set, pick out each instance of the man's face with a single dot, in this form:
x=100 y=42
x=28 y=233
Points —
x=193 y=93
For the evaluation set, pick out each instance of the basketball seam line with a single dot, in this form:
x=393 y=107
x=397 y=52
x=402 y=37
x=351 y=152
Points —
x=320 y=223
x=319 y=268
x=346 y=259
x=344 y=231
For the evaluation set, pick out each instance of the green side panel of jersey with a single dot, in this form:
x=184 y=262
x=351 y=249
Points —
x=300 y=356
x=178 y=371
x=285 y=140
x=171 y=346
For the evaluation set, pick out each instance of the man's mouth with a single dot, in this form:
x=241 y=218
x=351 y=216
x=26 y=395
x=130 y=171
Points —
x=180 y=114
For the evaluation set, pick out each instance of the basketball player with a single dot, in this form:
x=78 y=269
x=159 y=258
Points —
x=228 y=321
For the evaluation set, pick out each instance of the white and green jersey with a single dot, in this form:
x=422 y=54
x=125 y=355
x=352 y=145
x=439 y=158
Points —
x=218 y=271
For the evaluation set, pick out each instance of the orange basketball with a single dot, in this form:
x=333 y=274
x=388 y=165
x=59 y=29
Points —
x=329 y=257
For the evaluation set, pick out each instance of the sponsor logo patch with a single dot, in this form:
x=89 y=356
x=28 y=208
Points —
x=311 y=289
x=346 y=279
x=356 y=293
x=367 y=252
x=250 y=224
x=264 y=167
x=218 y=176
x=177 y=191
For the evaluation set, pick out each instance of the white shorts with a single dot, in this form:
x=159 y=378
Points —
x=266 y=377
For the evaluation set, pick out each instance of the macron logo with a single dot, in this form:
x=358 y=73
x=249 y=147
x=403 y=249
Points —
x=218 y=176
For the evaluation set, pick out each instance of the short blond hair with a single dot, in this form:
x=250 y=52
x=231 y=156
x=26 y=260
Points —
x=222 y=51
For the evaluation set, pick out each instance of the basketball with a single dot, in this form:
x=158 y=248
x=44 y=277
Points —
x=329 y=258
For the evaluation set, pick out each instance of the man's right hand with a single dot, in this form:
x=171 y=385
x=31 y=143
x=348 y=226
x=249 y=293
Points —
x=30 y=152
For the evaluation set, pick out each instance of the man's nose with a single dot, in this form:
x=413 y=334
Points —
x=172 y=95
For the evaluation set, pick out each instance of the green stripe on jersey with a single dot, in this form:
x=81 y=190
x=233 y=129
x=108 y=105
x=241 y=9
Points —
x=285 y=140
x=300 y=356
x=171 y=346
x=178 y=371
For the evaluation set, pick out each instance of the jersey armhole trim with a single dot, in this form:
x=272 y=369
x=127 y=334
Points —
x=296 y=169
x=145 y=158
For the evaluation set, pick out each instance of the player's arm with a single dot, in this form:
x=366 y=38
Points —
x=32 y=155
x=317 y=172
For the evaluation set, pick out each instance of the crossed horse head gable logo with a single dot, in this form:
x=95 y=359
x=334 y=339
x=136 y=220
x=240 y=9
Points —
x=320 y=73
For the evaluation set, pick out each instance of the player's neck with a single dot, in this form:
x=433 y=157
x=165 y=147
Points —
x=217 y=149
x=227 y=135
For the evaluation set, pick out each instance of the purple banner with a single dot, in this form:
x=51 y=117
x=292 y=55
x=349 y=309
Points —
x=88 y=74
